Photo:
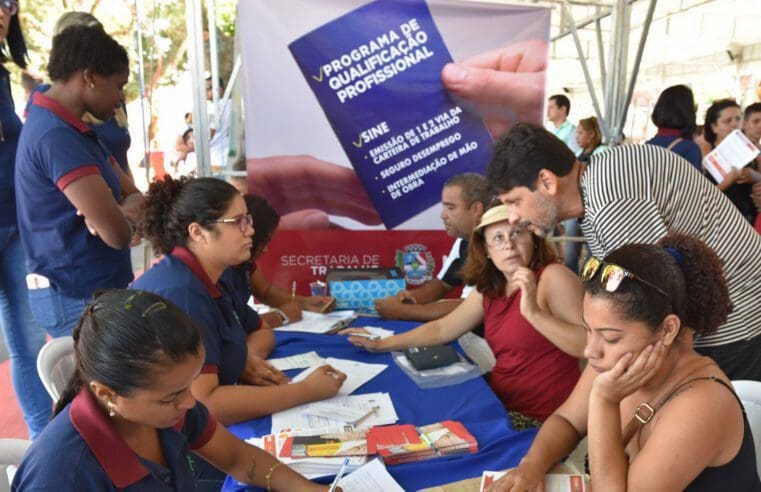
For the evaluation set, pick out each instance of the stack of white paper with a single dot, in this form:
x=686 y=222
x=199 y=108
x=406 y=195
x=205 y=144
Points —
x=320 y=323
x=357 y=373
x=298 y=361
x=372 y=477
x=303 y=418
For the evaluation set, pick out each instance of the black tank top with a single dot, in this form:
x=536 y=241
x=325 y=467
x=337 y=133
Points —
x=739 y=474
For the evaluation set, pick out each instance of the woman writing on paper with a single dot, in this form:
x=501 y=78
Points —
x=127 y=419
x=250 y=279
x=203 y=228
x=658 y=416
x=530 y=306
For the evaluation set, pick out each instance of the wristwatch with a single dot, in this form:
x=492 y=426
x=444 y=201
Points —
x=284 y=320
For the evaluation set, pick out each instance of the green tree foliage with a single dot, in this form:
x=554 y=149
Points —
x=164 y=34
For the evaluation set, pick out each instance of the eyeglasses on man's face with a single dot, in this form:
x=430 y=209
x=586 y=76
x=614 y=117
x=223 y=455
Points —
x=10 y=7
x=612 y=275
x=243 y=221
x=499 y=239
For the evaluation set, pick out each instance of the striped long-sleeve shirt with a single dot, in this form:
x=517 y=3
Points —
x=639 y=193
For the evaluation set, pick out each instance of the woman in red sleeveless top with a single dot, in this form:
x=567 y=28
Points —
x=530 y=306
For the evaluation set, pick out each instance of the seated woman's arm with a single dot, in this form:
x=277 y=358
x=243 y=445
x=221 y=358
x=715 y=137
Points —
x=559 y=435
x=553 y=306
x=681 y=444
x=468 y=315
x=250 y=465
x=392 y=308
x=274 y=296
x=236 y=403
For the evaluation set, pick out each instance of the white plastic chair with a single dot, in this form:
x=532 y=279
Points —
x=750 y=395
x=55 y=365
x=11 y=452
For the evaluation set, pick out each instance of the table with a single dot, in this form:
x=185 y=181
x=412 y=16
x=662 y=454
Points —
x=473 y=403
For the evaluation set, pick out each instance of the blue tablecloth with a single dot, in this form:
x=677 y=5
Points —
x=472 y=403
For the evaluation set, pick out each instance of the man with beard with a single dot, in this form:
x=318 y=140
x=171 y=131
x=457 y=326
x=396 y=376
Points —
x=637 y=194
x=463 y=199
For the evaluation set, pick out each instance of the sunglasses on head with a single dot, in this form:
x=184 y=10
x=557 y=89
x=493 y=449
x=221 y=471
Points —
x=612 y=275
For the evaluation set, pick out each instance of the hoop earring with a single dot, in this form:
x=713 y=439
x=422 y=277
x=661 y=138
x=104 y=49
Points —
x=111 y=411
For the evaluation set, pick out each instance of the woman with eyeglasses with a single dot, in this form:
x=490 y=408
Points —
x=128 y=420
x=76 y=207
x=202 y=227
x=23 y=337
x=287 y=305
x=658 y=416
x=530 y=307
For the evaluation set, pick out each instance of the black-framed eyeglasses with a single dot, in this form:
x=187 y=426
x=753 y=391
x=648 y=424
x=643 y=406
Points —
x=612 y=275
x=10 y=7
x=243 y=221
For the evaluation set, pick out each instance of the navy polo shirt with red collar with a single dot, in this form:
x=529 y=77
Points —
x=55 y=149
x=81 y=450
x=224 y=325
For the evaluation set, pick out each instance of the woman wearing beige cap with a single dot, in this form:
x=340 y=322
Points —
x=530 y=306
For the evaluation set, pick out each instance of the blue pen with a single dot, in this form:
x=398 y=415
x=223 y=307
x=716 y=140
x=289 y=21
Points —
x=334 y=484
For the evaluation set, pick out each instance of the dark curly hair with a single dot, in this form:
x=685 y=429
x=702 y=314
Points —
x=522 y=152
x=675 y=109
x=16 y=43
x=171 y=205
x=712 y=116
x=266 y=220
x=683 y=267
x=85 y=48
x=123 y=337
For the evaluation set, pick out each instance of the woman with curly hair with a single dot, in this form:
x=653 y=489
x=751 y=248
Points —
x=658 y=416
x=530 y=306
x=202 y=227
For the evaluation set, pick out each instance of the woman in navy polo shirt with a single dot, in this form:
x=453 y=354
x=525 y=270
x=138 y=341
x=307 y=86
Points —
x=23 y=337
x=75 y=204
x=128 y=420
x=203 y=228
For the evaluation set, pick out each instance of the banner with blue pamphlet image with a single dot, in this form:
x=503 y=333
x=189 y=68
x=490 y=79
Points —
x=369 y=69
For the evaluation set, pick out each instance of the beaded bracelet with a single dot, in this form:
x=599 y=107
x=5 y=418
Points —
x=269 y=475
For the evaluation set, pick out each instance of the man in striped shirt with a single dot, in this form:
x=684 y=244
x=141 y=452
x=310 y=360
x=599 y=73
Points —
x=638 y=194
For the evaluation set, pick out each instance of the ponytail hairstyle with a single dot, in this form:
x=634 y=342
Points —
x=16 y=42
x=123 y=337
x=171 y=205
x=683 y=267
x=266 y=220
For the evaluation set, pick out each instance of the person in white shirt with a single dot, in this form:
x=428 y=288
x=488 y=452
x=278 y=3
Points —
x=464 y=198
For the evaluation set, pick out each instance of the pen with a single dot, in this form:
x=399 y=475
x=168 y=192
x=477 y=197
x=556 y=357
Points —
x=338 y=477
x=371 y=412
x=293 y=290
x=365 y=335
